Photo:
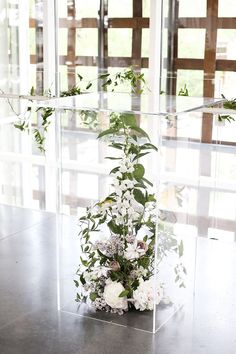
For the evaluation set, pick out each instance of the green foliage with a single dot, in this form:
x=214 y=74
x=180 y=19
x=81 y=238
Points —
x=124 y=293
x=139 y=172
x=130 y=75
x=89 y=118
x=183 y=91
x=227 y=104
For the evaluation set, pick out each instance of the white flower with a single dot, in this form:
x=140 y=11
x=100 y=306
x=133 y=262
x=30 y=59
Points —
x=98 y=272
x=131 y=251
x=135 y=250
x=118 y=191
x=111 y=294
x=144 y=295
x=120 y=220
x=128 y=183
x=117 y=175
x=87 y=276
x=128 y=195
x=137 y=206
x=116 y=183
x=123 y=169
x=123 y=211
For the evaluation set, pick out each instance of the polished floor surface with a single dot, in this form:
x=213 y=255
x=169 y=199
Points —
x=31 y=324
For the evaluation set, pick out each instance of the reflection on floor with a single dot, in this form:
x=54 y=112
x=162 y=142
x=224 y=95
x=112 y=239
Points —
x=31 y=324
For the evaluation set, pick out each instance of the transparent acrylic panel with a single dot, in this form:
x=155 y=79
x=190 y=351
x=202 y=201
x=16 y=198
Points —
x=28 y=176
x=110 y=247
x=148 y=104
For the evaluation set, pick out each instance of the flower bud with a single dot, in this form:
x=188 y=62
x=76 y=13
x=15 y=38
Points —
x=114 y=265
x=142 y=246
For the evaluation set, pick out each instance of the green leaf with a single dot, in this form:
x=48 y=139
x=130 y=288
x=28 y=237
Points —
x=140 y=131
x=135 y=284
x=20 y=126
x=148 y=146
x=76 y=283
x=32 y=91
x=103 y=76
x=102 y=255
x=116 y=146
x=93 y=296
x=139 y=196
x=112 y=158
x=114 y=228
x=82 y=279
x=107 y=132
x=128 y=119
x=124 y=293
x=147 y=181
x=138 y=156
x=84 y=262
x=114 y=170
x=89 y=85
x=139 y=171
x=80 y=77
x=151 y=198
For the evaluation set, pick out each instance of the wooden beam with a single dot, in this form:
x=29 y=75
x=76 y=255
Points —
x=82 y=23
x=192 y=22
x=71 y=46
x=209 y=65
x=135 y=22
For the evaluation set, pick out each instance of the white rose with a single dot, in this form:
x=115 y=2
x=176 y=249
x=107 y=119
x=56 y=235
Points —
x=111 y=294
x=144 y=295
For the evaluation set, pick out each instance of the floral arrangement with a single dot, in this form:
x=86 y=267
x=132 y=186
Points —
x=117 y=271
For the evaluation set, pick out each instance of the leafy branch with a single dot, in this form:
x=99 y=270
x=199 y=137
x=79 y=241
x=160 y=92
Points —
x=227 y=104
x=130 y=76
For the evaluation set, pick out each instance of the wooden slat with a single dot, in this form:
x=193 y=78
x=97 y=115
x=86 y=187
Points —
x=82 y=23
x=32 y=23
x=172 y=48
x=225 y=65
x=226 y=22
x=180 y=63
x=135 y=22
x=71 y=46
x=209 y=65
x=137 y=35
x=191 y=22
x=92 y=61
x=198 y=64
x=189 y=64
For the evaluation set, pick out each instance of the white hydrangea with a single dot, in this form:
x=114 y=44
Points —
x=143 y=296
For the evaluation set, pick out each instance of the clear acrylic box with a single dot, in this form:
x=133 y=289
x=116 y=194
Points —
x=85 y=180
x=187 y=174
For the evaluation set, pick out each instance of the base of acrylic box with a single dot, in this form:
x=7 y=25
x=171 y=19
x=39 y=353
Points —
x=138 y=320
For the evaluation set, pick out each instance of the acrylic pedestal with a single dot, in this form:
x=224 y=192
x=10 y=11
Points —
x=85 y=179
x=188 y=175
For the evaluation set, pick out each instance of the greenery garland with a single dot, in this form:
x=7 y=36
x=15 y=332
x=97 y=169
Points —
x=130 y=76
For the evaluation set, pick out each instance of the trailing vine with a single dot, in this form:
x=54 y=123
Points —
x=108 y=82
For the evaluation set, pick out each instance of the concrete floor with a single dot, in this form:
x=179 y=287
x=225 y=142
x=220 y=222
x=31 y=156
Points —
x=31 y=324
